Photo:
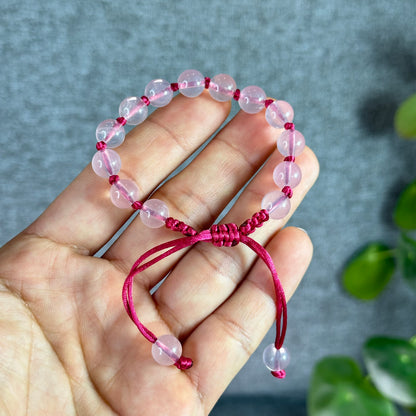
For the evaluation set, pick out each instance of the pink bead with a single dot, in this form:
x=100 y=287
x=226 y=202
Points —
x=287 y=174
x=291 y=143
x=277 y=204
x=278 y=113
x=222 y=87
x=124 y=193
x=191 y=83
x=134 y=110
x=110 y=132
x=252 y=99
x=106 y=163
x=274 y=359
x=158 y=92
x=166 y=350
x=154 y=213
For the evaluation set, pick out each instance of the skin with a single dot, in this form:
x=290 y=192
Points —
x=66 y=344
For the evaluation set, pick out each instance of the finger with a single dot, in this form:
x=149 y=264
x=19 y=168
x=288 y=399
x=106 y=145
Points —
x=201 y=191
x=208 y=275
x=83 y=214
x=222 y=344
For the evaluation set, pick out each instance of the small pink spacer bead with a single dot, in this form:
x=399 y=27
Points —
x=207 y=81
x=145 y=100
x=289 y=159
x=101 y=145
x=136 y=205
x=174 y=86
x=289 y=126
x=287 y=190
x=267 y=102
x=113 y=179
x=236 y=95
x=121 y=120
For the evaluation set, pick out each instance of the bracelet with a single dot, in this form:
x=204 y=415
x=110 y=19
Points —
x=167 y=349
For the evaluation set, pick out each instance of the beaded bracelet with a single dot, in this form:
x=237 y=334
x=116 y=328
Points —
x=167 y=349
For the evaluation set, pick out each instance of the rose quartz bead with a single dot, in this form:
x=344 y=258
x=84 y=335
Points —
x=276 y=359
x=158 y=92
x=123 y=193
x=191 y=83
x=134 y=110
x=252 y=99
x=287 y=174
x=222 y=87
x=278 y=113
x=166 y=350
x=277 y=204
x=106 y=163
x=110 y=132
x=154 y=213
x=291 y=143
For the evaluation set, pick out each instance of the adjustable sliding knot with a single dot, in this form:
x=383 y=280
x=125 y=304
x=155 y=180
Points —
x=176 y=225
x=226 y=235
x=257 y=220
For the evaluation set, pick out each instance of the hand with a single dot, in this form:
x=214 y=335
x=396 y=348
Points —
x=67 y=345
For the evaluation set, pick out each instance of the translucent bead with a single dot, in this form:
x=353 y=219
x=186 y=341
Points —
x=274 y=359
x=166 y=350
x=123 y=193
x=154 y=213
x=191 y=83
x=158 y=92
x=287 y=174
x=252 y=99
x=222 y=87
x=134 y=110
x=278 y=113
x=291 y=143
x=106 y=163
x=277 y=204
x=110 y=132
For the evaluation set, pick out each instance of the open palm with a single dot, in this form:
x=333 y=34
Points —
x=66 y=344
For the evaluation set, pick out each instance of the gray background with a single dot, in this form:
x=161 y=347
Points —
x=344 y=66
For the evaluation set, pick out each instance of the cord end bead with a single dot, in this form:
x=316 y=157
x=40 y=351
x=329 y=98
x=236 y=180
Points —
x=184 y=363
x=279 y=374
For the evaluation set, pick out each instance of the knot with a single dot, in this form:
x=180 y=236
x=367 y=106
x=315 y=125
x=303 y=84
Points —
x=279 y=374
x=287 y=190
x=226 y=235
x=176 y=225
x=184 y=363
x=257 y=220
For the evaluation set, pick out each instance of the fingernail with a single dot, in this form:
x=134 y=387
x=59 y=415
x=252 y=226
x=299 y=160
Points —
x=302 y=229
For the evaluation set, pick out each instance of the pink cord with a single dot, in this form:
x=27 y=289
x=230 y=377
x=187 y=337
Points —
x=226 y=235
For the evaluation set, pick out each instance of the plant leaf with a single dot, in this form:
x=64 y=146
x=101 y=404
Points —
x=391 y=363
x=406 y=258
x=369 y=271
x=405 y=118
x=338 y=388
x=405 y=211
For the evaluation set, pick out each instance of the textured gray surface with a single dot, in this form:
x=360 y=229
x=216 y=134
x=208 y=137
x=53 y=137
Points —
x=344 y=66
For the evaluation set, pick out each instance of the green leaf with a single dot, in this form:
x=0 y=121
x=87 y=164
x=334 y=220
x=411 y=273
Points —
x=369 y=271
x=391 y=363
x=406 y=258
x=338 y=388
x=405 y=211
x=405 y=118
